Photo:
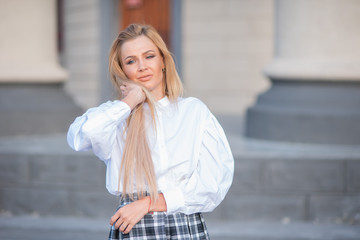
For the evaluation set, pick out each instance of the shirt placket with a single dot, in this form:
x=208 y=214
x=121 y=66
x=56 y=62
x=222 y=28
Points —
x=162 y=149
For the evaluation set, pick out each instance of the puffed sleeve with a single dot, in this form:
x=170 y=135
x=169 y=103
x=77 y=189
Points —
x=210 y=180
x=97 y=128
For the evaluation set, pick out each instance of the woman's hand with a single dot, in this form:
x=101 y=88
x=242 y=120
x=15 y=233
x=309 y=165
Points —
x=133 y=94
x=127 y=216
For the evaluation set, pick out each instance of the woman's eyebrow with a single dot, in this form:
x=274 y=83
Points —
x=143 y=53
x=148 y=51
x=128 y=57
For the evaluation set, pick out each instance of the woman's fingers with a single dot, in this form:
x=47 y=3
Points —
x=118 y=224
x=114 y=218
x=128 y=228
x=133 y=95
x=124 y=90
x=127 y=216
x=123 y=227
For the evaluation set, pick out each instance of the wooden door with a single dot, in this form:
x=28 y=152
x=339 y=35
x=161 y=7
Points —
x=154 y=12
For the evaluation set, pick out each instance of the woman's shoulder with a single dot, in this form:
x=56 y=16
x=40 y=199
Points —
x=191 y=101
x=193 y=104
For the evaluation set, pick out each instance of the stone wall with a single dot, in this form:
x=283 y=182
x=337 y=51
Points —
x=225 y=46
x=82 y=50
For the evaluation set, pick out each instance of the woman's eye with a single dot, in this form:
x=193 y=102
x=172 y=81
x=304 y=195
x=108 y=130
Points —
x=150 y=56
x=130 y=62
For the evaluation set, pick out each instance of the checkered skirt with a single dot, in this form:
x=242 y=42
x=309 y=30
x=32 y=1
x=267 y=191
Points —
x=164 y=226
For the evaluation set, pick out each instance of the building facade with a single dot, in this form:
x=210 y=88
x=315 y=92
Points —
x=219 y=46
x=299 y=157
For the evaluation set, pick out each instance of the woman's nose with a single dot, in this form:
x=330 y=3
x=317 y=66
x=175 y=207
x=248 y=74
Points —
x=141 y=66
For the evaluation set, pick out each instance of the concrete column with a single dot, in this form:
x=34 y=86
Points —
x=316 y=40
x=28 y=42
x=315 y=74
x=32 y=100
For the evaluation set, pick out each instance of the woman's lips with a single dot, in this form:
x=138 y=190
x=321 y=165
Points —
x=145 y=78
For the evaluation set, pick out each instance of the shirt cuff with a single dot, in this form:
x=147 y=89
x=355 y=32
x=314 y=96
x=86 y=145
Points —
x=119 y=111
x=174 y=199
x=125 y=104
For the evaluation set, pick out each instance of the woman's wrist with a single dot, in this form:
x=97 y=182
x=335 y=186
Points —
x=130 y=101
x=134 y=97
x=150 y=206
x=158 y=206
x=146 y=203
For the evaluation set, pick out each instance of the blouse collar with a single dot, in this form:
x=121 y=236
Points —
x=164 y=101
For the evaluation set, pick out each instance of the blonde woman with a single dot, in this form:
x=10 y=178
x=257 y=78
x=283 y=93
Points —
x=167 y=157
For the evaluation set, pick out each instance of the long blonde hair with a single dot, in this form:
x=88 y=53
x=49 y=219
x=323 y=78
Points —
x=136 y=159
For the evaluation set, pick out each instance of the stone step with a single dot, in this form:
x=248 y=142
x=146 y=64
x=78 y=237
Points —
x=293 y=182
x=276 y=182
x=42 y=175
x=64 y=228
x=28 y=109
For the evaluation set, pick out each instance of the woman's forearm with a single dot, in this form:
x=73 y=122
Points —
x=159 y=205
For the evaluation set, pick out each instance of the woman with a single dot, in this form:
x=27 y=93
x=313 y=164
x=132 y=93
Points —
x=166 y=156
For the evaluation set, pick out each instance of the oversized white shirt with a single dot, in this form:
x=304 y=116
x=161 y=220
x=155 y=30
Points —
x=192 y=159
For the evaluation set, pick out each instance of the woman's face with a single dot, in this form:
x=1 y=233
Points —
x=143 y=63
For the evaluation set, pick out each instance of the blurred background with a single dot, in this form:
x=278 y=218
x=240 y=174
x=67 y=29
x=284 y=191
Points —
x=282 y=77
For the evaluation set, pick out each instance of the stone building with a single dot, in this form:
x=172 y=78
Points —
x=298 y=156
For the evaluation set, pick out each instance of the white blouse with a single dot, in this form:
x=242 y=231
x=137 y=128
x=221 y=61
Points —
x=193 y=162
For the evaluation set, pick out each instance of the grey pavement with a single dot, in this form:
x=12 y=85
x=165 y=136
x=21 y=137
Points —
x=66 y=228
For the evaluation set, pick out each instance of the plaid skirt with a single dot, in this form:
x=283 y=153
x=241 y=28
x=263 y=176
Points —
x=159 y=225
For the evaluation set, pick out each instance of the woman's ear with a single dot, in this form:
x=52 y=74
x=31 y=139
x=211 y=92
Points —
x=163 y=62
